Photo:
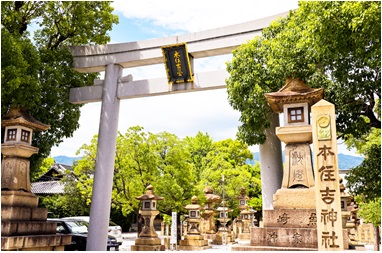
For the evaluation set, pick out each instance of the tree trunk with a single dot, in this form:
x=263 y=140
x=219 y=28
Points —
x=377 y=239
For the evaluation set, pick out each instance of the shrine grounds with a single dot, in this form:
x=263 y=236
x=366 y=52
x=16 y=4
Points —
x=129 y=238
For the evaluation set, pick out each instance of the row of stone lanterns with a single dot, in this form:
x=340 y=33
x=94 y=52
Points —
x=196 y=237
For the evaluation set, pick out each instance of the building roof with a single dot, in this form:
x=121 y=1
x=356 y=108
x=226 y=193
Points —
x=47 y=187
x=50 y=182
x=56 y=172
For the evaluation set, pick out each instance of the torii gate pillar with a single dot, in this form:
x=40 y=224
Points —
x=104 y=169
x=270 y=164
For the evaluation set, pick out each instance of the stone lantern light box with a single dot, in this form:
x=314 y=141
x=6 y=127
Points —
x=149 y=200
x=19 y=126
x=194 y=214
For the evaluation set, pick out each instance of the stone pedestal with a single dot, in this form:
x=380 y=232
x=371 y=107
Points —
x=24 y=226
x=193 y=242
x=245 y=234
x=292 y=228
x=219 y=238
x=147 y=244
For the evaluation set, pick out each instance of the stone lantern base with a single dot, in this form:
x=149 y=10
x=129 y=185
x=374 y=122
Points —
x=147 y=244
x=219 y=238
x=193 y=242
x=285 y=229
x=24 y=226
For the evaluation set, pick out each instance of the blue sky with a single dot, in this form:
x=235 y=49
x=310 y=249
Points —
x=182 y=114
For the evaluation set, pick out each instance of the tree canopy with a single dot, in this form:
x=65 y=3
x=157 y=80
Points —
x=177 y=168
x=335 y=45
x=365 y=179
x=36 y=64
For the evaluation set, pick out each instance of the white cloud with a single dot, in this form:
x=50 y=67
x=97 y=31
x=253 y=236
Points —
x=198 y=15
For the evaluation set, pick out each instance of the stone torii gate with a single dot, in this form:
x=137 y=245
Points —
x=113 y=58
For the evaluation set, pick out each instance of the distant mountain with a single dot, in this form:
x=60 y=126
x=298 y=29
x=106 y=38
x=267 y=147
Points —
x=345 y=162
x=66 y=160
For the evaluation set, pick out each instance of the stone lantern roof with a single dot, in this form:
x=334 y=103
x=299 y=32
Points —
x=223 y=207
x=294 y=91
x=149 y=195
x=18 y=116
x=243 y=194
x=194 y=204
x=210 y=197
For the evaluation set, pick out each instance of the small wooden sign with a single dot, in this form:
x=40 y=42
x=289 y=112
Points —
x=177 y=63
x=328 y=200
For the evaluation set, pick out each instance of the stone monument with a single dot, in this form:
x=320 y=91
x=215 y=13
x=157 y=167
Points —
x=148 y=239
x=193 y=240
x=292 y=223
x=208 y=227
x=24 y=226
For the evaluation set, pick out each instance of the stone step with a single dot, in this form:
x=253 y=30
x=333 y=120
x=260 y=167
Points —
x=20 y=213
x=193 y=243
x=33 y=242
x=14 y=228
x=193 y=248
x=284 y=237
x=290 y=218
x=244 y=247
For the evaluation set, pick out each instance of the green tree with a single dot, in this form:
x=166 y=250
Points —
x=45 y=166
x=198 y=146
x=370 y=212
x=228 y=158
x=141 y=159
x=335 y=45
x=365 y=179
x=37 y=74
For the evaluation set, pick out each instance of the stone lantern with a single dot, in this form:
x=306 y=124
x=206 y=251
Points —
x=208 y=228
x=348 y=213
x=17 y=148
x=224 y=235
x=244 y=220
x=294 y=100
x=193 y=240
x=243 y=198
x=24 y=225
x=193 y=216
x=148 y=239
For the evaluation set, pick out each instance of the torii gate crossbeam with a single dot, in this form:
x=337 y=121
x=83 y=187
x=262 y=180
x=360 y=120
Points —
x=112 y=59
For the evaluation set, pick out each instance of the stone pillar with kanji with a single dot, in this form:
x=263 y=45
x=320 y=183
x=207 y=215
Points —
x=330 y=231
x=24 y=225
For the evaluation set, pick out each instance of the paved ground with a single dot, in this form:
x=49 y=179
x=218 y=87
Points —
x=129 y=239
